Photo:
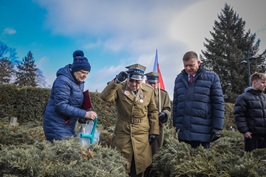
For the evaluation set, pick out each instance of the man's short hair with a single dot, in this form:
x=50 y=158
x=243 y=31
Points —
x=257 y=76
x=189 y=55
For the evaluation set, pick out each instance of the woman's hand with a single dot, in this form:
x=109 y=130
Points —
x=91 y=115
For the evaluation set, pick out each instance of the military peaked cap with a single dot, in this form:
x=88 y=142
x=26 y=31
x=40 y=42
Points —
x=152 y=77
x=136 y=71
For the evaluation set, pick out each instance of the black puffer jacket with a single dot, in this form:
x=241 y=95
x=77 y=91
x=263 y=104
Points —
x=250 y=112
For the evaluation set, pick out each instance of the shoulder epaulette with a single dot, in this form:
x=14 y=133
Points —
x=163 y=90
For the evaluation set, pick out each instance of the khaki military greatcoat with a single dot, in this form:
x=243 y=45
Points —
x=137 y=117
x=163 y=104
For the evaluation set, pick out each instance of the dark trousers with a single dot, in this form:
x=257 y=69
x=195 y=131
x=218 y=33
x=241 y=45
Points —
x=195 y=144
x=133 y=169
x=256 y=142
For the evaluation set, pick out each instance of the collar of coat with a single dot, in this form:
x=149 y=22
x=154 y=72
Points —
x=253 y=91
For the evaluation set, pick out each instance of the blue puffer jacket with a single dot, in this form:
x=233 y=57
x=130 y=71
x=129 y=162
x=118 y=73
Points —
x=64 y=104
x=198 y=108
x=250 y=112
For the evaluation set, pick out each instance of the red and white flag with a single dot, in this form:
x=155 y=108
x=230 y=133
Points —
x=156 y=68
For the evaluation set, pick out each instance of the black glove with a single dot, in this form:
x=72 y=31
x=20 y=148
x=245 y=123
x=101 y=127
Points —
x=163 y=117
x=152 y=137
x=122 y=76
x=216 y=134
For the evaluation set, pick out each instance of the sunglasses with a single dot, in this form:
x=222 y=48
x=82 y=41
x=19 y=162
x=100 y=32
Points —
x=137 y=81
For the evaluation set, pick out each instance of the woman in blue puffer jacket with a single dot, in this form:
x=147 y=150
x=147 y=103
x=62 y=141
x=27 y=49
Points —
x=66 y=97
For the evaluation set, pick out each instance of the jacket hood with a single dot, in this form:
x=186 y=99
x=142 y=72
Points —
x=65 y=71
x=252 y=90
x=248 y=89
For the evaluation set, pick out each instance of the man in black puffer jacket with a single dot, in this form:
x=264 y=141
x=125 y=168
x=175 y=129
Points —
x=250 y=113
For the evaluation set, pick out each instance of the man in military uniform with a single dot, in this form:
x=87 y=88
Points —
x=137 y=122
x=163 y=104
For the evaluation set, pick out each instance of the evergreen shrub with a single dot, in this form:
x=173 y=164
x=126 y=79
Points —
x=225 y=158
x=25 y=103
x=66 y=158
x=25 y=152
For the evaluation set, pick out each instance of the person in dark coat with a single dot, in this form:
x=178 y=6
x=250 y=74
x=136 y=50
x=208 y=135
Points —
x=250 y=113
x=198 y=103
x=64 y=105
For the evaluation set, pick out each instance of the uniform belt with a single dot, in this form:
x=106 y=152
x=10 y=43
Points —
x=136 y=120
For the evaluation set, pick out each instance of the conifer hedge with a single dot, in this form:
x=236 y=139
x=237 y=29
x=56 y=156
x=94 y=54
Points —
x=25 y=152
x=25 y=103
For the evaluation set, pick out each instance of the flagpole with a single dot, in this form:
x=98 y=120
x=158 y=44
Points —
x=159 y=92
x=156 y=69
